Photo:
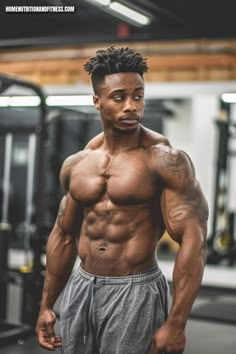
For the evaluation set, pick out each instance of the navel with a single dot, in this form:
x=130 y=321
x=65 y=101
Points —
x=102 y=249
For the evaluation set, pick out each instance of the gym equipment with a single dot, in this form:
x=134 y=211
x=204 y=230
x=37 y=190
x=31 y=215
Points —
x=221 y=244
x=31 y=274
x=5 y=227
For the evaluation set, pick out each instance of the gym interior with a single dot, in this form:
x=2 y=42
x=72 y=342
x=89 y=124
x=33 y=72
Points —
x=47 y=114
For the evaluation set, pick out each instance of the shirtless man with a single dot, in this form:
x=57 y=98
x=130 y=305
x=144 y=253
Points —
x=121 y=193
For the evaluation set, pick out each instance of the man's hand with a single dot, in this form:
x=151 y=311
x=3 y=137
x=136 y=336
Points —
x=45 y=330
x=168 y=339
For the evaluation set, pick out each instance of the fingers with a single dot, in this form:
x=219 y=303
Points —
x=45 y=331
x=49 y=342
x=48 y=339
x=55 y=341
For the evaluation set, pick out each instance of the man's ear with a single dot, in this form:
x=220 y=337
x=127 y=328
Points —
x=96 y=102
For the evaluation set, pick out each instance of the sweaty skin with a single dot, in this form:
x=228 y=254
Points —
x=121 y=193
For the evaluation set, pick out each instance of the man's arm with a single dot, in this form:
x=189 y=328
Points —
x=185 y=214
x=61 y=253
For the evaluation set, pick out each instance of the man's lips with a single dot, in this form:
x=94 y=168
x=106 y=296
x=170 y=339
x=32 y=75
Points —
x=130 y=118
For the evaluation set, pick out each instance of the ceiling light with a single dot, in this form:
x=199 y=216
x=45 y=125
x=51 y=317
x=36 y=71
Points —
x=19 y=101
x=100 y=2
x=74 y=100
x=129 y=13
x=229 y=97
x=4 y=101
x=24 y=101
x=34 y=101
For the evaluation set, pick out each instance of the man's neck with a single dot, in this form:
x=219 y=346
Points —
x=116 y=141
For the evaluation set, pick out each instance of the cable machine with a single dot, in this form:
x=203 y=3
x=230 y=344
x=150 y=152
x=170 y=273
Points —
x=222 y=244
x=30 y=274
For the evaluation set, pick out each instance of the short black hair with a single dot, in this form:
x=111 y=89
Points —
x=114 y=60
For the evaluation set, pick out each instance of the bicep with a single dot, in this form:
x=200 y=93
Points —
x=184 y=210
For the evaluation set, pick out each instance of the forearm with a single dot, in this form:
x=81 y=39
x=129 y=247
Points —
x=61 y=255
x=187 y=277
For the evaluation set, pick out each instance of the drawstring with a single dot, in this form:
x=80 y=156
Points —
x=151 y=273
x=89 y=307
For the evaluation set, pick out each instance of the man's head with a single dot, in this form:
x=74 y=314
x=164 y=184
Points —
x=114 y=60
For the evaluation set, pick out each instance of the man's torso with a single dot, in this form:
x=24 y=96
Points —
x=120 y=196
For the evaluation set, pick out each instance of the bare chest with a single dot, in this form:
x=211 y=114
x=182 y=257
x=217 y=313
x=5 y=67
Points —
x=123 y=179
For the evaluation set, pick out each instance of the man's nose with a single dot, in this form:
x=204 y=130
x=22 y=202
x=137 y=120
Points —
x=130 y=105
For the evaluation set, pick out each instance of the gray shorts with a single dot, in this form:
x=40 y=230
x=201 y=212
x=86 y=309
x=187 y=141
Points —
x=112 y=315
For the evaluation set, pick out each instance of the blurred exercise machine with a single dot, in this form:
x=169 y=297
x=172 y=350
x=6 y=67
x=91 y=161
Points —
x=222 y=243
x=29 y=275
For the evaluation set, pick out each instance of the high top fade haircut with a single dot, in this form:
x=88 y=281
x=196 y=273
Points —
x=114 y=60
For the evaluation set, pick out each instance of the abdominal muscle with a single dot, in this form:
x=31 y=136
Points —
x=119 y=240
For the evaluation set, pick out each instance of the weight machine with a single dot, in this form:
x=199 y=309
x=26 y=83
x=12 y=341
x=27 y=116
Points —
x=222 y=243
x=31 y=274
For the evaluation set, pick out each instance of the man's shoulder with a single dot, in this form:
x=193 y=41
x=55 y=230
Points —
x=68 y=166
x=172 y=165
x=95 y=142
x=74 y=159
x=152 y=139
x=160 y=144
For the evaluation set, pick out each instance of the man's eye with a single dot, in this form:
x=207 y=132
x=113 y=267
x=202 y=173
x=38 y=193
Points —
x=138 y=98
x=118 y=98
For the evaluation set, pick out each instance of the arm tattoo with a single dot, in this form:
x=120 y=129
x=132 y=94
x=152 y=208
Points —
x=191 y=205
x=173 y=161
x=183 y=198
x=176 y=167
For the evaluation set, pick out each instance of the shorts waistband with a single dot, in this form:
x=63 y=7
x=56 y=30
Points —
x=145 y=276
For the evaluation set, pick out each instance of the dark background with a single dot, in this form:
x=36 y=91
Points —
x=171 y=20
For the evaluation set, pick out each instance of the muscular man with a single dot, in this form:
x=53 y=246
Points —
x=121 y=193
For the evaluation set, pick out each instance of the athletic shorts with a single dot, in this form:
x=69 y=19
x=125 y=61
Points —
x=112 y=315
